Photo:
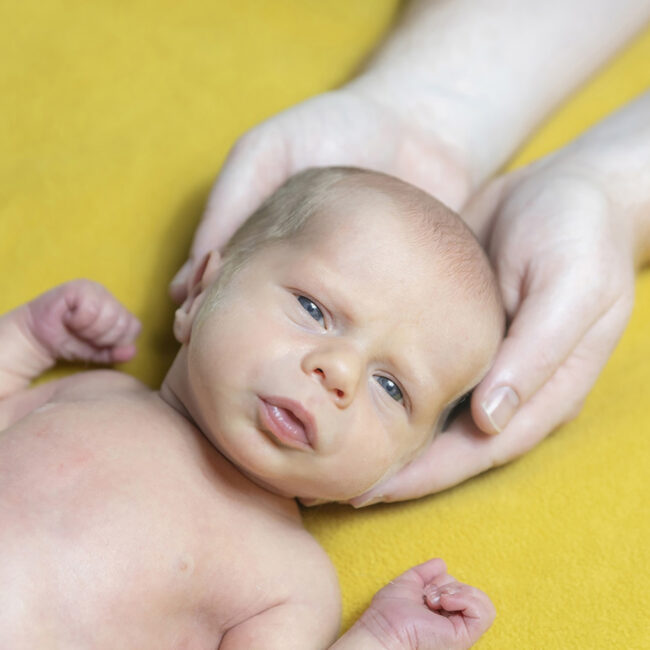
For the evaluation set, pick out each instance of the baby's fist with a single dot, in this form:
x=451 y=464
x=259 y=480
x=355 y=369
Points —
x=427 y=609
x=82 y=321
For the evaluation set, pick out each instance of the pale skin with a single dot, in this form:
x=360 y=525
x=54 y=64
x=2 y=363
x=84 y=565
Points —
x=592 y=198
x=454 y=90
x=122 y=524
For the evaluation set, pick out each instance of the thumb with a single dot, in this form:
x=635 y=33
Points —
x=547 y=327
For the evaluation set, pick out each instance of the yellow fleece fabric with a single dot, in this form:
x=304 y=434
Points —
x=114 y=119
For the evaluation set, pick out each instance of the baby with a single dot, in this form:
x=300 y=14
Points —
x=319 y=355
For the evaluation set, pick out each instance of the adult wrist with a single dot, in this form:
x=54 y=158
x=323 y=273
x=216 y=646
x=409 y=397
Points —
x=465 y=126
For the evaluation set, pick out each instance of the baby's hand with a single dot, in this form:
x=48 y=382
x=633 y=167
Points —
x=427 y=609
x=81 y=321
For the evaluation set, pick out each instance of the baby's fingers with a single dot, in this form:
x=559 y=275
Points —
x=102 y=321
x=116 y=354
x=468 y=608
x=255 y=167
x=114 y=327
x=100 y=329
x=76 y=349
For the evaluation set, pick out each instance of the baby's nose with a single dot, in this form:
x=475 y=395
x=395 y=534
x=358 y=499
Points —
x=339 y=372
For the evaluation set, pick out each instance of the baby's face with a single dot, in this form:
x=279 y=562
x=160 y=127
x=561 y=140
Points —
x=328 y=360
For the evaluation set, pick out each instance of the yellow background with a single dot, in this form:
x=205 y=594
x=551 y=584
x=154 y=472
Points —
x=114 y=119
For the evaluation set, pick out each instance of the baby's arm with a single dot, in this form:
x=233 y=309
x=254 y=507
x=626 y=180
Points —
x=423 y=609
x=76 y=321
x=306 y=620
x=284 y=627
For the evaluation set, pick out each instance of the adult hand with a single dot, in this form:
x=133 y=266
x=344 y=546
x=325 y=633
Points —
x=440 y=104
x=342 y=127
x=563 y=247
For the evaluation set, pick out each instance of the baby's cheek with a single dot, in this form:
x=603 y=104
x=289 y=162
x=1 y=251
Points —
x=367 y=470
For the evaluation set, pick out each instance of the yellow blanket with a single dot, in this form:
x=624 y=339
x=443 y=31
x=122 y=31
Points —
x=115 y=117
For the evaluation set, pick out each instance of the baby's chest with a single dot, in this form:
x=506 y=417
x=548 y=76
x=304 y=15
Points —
x=150 y=537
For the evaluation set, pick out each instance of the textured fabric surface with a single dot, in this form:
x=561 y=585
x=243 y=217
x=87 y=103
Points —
x=115 y=117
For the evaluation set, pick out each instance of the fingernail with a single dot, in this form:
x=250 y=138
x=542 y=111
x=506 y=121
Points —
x=368 y=502
x=432 y=594
x=450 y=590
x=308 y=503
x=500 y=405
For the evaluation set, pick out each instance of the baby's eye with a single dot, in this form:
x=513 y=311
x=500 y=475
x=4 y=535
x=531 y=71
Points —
x=312 y=309
x=390 y=387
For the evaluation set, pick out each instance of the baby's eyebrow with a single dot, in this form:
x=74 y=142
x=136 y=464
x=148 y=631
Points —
x=412 y=370
x=334 y=300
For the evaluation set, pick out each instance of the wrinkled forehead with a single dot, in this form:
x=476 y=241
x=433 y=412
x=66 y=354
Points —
x=358 y=220
x=373 y=250
x=401 y=289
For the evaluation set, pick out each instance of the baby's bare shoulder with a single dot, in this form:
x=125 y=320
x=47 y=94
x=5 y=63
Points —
x=106 y=459
x=315 y=585
x=80 y=386
x=296 y=591
x=306 y=567
x=97 y=383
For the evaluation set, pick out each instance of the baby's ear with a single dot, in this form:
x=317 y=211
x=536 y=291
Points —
x=200 y=280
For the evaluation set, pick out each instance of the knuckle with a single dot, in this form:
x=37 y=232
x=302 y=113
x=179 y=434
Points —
x=548 y=360
x=601 y=281
x=496 y=460
x=542 y=364
x=88 y=313
x=122 y=322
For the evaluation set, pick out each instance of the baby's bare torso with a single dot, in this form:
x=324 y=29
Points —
x=121 y=526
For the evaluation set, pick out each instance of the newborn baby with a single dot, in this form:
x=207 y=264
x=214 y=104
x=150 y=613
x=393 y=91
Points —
x=318 y=356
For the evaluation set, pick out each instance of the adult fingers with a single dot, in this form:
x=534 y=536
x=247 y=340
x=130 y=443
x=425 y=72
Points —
x=256 y=166
x=258 y=163
x=548 y=325
x=453 y=456
x=463 y=451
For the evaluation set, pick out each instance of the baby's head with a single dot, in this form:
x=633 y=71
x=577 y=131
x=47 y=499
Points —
x=346 y=317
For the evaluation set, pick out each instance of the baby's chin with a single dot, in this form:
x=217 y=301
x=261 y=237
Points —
x=316 y=497
x=341 y=496
x=311 y=492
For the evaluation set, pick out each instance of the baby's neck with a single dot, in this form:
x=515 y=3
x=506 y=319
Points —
x=175 y=392
x=173 y=388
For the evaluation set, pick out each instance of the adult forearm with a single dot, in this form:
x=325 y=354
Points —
x=483 y=74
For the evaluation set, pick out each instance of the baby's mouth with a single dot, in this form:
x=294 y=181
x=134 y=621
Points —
x=287 y=422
